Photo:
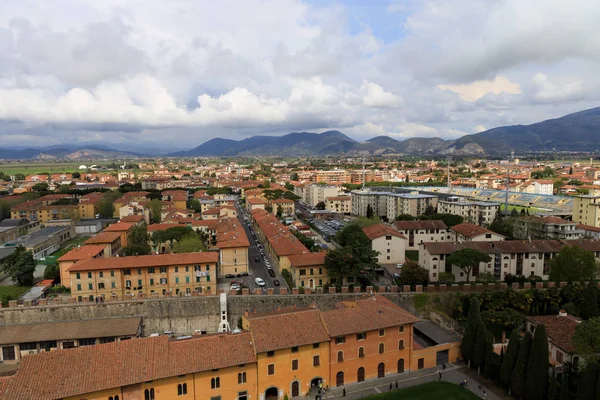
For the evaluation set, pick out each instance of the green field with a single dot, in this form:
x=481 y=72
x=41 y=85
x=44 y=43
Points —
x=36 y=168
x=519 y=208
x=13 y=291
x=429 y=391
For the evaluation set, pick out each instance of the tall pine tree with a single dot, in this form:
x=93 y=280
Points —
x=479 y=349
x=467 y=345
x=489 y=369
x=586 y=390
x=510 y=358
x=537 y=366
x=553 y=387
x=589 y=301
x=517 y=383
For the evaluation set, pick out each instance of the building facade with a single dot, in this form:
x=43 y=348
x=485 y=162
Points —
x=475 y=212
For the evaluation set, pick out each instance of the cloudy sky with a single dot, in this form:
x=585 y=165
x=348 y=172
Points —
x=175 y=73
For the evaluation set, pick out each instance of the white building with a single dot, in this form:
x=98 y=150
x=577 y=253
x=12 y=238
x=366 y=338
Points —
x=316 y=193
x=525 y=258
x=475 y=212
x=433 y=256
x=467 y=232
x=390 y=244
x=538 y=187
x=418 y=232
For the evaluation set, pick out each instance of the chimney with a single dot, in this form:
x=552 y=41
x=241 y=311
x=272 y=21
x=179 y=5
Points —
x=562 y=313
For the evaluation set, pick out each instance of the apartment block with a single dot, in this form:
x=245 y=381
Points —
x=586 y=210
x=387 y=242
x=316 y=193
x=308 y=270
x=475 y=212
x=413 y=204
x=433 y=256
x=337 y=176
x=339 y=204
x=418 y=232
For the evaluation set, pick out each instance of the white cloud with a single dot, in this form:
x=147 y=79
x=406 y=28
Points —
x=477 y=89
x=479 y=128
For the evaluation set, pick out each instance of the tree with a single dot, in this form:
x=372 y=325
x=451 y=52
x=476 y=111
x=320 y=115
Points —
x=19 y=177
x=293 y=177
x=564 y=386
x=76 y=175
x=339 y=264
x=478 y=357
x=155 y=206
x=20 y=266
x=467 y=259
x=490 y=370
x=189 y=244
x=467 y=344
x=510 y=358
x=279 y=212
x=405 y=217
x=517 y=383
x=52 y=271
x=41 y=187
x=413 y=274
x=589 y=302
x=571 y=171
x=586 y=339
x=449 y=219
x=137 y=242
x=106 y=206
x=194 y=204
x=537 y=366
x=586 y=390
x=573 y=264
x=369 y=211
x=553 y=391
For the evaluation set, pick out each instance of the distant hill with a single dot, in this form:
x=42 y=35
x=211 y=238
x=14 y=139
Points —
x=65 y=153
x=574 y=132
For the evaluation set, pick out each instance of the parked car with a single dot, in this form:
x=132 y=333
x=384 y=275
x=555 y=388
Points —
x=259 y=281
x=256 y=259
x=242 y=274
x=271 y=272
x=229 y=276
x=276 y=282
x=235 y=286
x=399 y=266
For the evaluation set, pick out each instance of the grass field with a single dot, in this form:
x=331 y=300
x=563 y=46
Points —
x=35 y=168
x=13 y=291
x=519 y=208
x=429 y=391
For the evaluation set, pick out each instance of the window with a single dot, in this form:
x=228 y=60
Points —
x=316 y=361
x=8 y=353
x=316 y=345
x=294 y=365
x=151 y=270
x=361 y=352
x=126 y=272
x=177 y=280
x=101 y=274
x=87 y=342
x=113 y=397
x=381 y=348
x=215 y=383
x=340 y=356
x=112 y=274
x=79 y=287
x=187 y=279
x=90 y=286
x=207 y=267
x=241 y=396
x=89 y=275
x=128 y=284
x=241 y=377
x=109 y=339
x=28 y=346
x=113 y=285
x=163 y=270
x=421 y=363
x=270 y=354
x=101 y=285
x=181 y=389
x=361 y=336
x=176 y=269
x=78 y=275
x=382 y=332
x=271 y=369
x=302 y=272
x=149 y=394
x=401 y=344
x=215 y=398
x=295 y=349
x=139 y=271
x=389 y=237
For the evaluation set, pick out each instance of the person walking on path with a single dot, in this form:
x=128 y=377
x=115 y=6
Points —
x=344 y=392
x=440 y=376
x=390 y=385
x=396 y=384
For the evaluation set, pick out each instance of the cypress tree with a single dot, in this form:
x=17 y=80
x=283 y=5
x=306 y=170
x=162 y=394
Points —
x=479 y=350
x=564 y=386
x=598 y=387
x=553 y=387
x=510 y=358
x=589 y=302
x=517 y=383
x=586 y=390
x=489 y=369
x=537 y=366
x=467 y=344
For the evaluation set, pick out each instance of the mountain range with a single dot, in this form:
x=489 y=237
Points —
x=574 y=132
x=579 y=131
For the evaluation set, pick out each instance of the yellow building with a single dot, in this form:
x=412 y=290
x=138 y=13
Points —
x=111 y=240
x=233 y=245
x=287 y=207
x=308 y=270
x=123 y=278
x=67 y=260
x=88 y=205
x=339 y=204
x=586 y=210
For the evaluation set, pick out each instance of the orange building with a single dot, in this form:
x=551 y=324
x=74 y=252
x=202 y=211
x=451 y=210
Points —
x=67 y=260
x=110 y=240
x=123 y=228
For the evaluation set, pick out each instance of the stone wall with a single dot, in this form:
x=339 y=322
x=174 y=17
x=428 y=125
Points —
x=179 y=315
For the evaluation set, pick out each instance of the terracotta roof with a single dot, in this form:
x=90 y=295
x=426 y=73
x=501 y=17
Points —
x=230 y=233
x=450 y=247
x=589 y=245
x=283 y=201
x=153 y=260
x=378 y=230
x=560 y=329
x=470 y=230
x=113 y=365
x=82 y=253
x=256 y=201
x=161 y=227
x=5 y=381
x=339 y=198
x=285 y=330
x=309 y=259
x=82 y=329
x=132 y=218
x=103 y=237
x=525 y=246
x=588 y=228
x=368 y=314
x=425 y=224
x=119 y=227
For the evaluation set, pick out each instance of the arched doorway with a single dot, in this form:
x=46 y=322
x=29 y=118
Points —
x=381 y=370
x=401 y=365
x=311 y=283
x=360 y=376
x=339 y=379
x=316 y=384
x=272 y=393
x=295 y=389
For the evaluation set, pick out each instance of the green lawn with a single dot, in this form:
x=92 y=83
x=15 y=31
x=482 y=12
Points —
x=429 y=391
x=35 y=168
x=13 y=291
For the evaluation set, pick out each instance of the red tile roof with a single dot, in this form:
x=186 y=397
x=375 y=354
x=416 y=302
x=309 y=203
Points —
x=256 y=201
x=368 y=314
x=425 y=224
x=132 y=218
x=82 y=253
x=560 y=329
x=470 y=230
x=103 y=237
x=307 y=260
x=525 y=246
x=157 y=260
x=119 y=227
x=113 y=365
x=449 y=247
x=378 y=230
x=287 y=329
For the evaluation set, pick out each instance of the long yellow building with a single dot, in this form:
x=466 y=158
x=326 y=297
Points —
x=125 y=278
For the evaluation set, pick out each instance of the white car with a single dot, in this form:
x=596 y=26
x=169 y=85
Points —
x=399 y=266
x=259 y=282
x=235 y=286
